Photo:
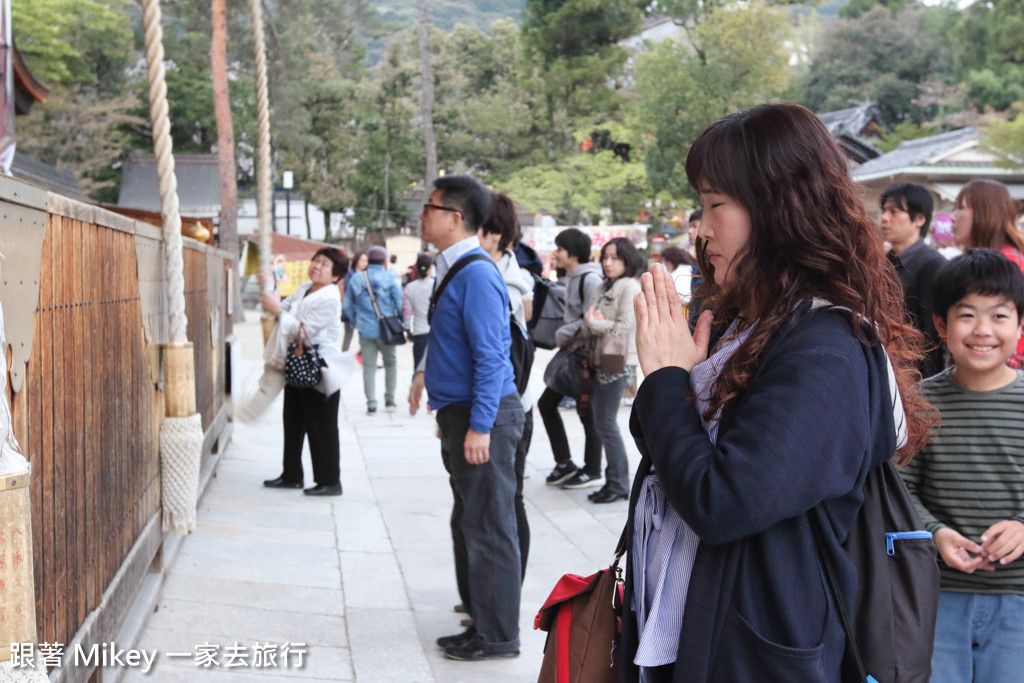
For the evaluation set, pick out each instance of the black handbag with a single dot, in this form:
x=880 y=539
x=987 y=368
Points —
x=303 y=363
x=569 y=369
x=392 y=333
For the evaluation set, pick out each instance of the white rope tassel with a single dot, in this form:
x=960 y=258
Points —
x=165 y=170
x=181 y=439
x=263 y=174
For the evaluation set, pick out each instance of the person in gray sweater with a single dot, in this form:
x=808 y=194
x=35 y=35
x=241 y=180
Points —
x=572 y=254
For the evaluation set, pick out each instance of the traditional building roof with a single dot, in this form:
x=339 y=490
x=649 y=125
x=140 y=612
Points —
x=854 y=128
x=27 y=88
x=59 y=180
x=934 y=151
x=198 y=179
x=943 y=163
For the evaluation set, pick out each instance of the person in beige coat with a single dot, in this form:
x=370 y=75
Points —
x=612 y=323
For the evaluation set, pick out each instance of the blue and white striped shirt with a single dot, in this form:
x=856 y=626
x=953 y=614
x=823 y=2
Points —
x=664 y=546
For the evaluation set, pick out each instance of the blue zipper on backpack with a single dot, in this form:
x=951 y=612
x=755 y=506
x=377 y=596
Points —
x=891 y=537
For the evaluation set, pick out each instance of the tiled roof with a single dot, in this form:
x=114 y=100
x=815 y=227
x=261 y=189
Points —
x=918 y=152
x=198 y=177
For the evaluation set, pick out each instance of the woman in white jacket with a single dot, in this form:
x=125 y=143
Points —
x=313 y=412
x=610 y=319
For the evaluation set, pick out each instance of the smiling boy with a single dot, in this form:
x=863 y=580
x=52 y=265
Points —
x=968 y=484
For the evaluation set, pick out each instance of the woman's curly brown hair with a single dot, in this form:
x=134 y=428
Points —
x=810 y=237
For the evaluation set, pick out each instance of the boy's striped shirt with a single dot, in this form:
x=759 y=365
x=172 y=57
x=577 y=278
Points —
x=972 y=473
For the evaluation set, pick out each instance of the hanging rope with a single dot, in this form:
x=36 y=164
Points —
x=263 y=175
x=165 y=170
x=181 y=431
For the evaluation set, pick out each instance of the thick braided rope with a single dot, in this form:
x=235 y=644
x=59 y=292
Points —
x=154 y=38
x=181 y=441
x=263 y=175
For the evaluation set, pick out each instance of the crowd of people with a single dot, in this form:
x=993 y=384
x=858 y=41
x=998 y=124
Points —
x=803 y=344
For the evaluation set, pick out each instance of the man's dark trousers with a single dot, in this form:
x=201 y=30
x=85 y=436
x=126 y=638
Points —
x=487 y=566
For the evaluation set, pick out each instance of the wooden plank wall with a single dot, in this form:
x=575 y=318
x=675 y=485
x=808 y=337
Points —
x=88 y=414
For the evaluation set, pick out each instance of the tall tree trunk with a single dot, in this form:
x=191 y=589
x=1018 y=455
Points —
x=225 y=147
x=327 y=226
x=426 y=93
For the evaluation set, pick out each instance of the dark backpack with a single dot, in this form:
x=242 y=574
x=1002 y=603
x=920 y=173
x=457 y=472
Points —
x=891 y=631
x=521 y=351
x=548 y=310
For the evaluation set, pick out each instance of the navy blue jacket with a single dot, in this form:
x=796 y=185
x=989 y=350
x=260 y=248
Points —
x=800 y=441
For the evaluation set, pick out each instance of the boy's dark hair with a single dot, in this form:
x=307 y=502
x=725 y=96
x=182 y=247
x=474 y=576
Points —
x=339 y=262
x=912 y=198
x=978 y=271
x=502 y=221
x=576 y=242
x=695 y=216
x=468 y=196
x=626 y=252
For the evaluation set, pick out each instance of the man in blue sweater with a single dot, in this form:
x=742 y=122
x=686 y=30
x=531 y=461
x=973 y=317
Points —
x=470 y=382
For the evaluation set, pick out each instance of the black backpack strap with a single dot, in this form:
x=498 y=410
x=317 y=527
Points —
x=844 y=615
x=459 y=265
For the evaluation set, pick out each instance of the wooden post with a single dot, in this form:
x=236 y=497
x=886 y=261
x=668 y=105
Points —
x=17 y=587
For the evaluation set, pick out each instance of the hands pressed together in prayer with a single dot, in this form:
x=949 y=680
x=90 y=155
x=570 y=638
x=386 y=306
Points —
x=663 y=336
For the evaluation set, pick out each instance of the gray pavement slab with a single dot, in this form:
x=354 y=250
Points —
x=365 y=580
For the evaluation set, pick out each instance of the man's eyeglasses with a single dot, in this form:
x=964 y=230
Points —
x=428 y=205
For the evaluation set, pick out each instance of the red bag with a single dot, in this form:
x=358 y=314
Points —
x=583 y=618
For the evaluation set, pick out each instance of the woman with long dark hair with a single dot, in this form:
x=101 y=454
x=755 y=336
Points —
x=985 y=215
x=808 y=385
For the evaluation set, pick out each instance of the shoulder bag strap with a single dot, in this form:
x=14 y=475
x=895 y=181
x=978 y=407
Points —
x=459 y=265
x=844 y=615
x=373 y=299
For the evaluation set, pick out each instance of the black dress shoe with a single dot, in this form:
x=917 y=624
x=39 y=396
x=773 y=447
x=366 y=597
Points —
x=472 y=651
x=608 y=497
x=282 y=483
x=598 y=493
x=468 y=634
x=334 y=490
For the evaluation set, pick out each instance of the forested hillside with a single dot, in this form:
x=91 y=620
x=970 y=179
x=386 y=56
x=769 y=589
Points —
x=445 y=14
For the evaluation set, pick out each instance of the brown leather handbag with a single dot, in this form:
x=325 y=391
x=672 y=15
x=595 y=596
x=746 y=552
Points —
x=583 y=618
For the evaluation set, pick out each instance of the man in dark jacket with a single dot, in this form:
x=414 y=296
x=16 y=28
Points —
x=906 y=214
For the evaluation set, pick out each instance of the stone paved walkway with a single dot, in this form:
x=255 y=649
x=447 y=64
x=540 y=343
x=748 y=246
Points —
x=366 y=580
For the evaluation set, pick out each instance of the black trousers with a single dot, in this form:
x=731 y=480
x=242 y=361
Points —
x=547 y=405
x=307 y=412
x=483 y=523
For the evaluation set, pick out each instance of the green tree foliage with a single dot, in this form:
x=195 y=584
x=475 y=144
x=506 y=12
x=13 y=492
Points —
x=315 y=70
x=731 y=60
x=1006 y=137
x=574 y=45
x=389 y=156
x=905 y=130
x=890 y=57
x=81 y=49
x=988 y=41
x=583 y=187
x=487 y=119
x=71 y=42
